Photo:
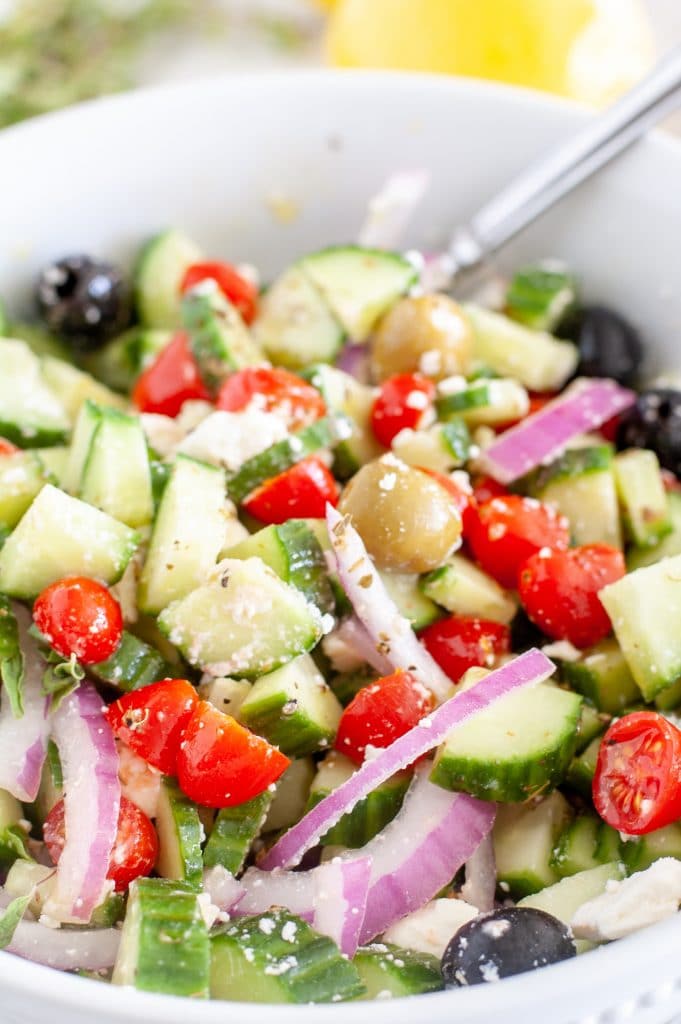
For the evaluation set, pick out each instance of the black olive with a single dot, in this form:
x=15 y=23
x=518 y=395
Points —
x=505 y=942
x=608 y=344
x=84 y=301
x=524 y=633
x=654 y=422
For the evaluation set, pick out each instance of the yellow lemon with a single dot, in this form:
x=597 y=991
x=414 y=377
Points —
x=591 y=50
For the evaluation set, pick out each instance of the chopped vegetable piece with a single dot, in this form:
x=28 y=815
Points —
x=152 y=721
x=403 y=402
x=79 y=616
x=272 y=389
x=460 y=643
x=171 y=380
x=301 y=492
x=380 y=713
x=233 y=285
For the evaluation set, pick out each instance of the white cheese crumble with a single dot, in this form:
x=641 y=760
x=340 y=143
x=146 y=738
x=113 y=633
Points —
x=430 y=929
x=230 y=438
x=636 y=902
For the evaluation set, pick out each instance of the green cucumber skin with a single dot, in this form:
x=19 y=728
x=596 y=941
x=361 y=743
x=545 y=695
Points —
x=603 y=677
x=576 y=848
x=639 y=558
x=639 y=854
x=401 y=972
x=189 y=834
x=133 y=665
x=259 y=966
x=474 y=396
x=582 y=768
x=220 y=341
x=281 y=456
x=173 y=951
x=368 y=817
x=346 y=685
x=295 y=734
x=540 y=298
x=572 y=463
x=233 y=833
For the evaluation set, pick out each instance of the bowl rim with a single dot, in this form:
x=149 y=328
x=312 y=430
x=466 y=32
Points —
x=618 y=960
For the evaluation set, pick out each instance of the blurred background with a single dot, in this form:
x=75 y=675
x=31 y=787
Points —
x=56 y=52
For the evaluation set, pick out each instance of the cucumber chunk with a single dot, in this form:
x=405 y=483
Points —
x=116 y=474
x=244 y=621
x=592 y=723
x=161 y=266
x=234 y=831
x=85 y=427
x=293 y=708
x=539 y=297
x=187 y=535
x=180 y=835
x=638 y=854
x=295 y=326
x=390 y=972
x=464 y=589
x=360 y=285
x=581 y=485
x=133 y=664
x=226 y=694
x=641 y=490
x=413 y=604
x=483 y=402
x=516 y=749
x=164 y=944
x=280 y=456
x=602 y=675
x=524 y=839
x=644 y=610
x=294 y=553
x=283 y=962
x=576 y=848
x=370 y=815
x=220 y=340
x=55 y=461
x=582 y=768
x=31 y=414
x=638 y=558
x=63 y=536
x=73 y=387
x=538 y=360
x=346 y=396
x=563 y=899
x=120 y=362
x=291 y=795
x=442 y=447
x=22 y=477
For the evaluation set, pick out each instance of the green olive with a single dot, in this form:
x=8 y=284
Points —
x=405 y=518
x=428 y=333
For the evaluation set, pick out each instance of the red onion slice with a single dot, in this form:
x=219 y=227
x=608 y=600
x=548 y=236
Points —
x=391 y=209
x=421 y=850
x=527 y=669
x=92 y=794
x=582 y=407
x=331 y=897
x=65 y=950
x=351 y=633
x=354 y=360
x=481 y=877
x=23 y=741
x=224 y=890
x=390 y=632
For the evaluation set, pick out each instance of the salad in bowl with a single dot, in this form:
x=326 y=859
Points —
x=338 y=632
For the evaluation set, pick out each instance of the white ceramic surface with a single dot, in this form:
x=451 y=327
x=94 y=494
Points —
x=211 y=158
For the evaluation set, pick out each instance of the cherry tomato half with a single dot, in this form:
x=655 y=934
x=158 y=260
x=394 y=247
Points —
x=559 y=591
x=152 y=720
x=380 y=713
x=79 y=616
x=222 y=764
x=272 y=389
x=486 y=487
x=507 y=530
x=171 y=380
x=7 y=448
x=135 y=848
x=300 y=492
x=461 y=642
x=234 y=286
x=637 y=784
x=402 y=402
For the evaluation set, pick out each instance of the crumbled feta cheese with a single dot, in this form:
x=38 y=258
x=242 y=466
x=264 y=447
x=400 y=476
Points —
x=430 y=929
x=563 y=650
x=139 y=781
x=636 y=902
x=230 y=438
x=162 y=432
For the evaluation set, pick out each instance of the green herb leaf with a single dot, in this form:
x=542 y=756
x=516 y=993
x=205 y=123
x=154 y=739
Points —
x=11 y=918
x=61 y=678
x=11 y=657
x=13 y=846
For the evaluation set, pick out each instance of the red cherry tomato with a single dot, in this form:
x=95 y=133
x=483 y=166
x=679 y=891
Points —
x=79 y=616
x=135 y=848
x=402 y=403
x=670 y=481
x=151 y=721
x=559 y=591
x=7 y=448
x=234 y=286
x=637 y=784
x=300 y=492
x=272 y=389
x=460 y=643
x=380 y=713
x=609 y=429
x=486 y=487
x=171 y=380
x=222 y=764
x=507 y=530
x=461 y=493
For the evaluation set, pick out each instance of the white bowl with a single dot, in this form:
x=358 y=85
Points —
x=216 y=158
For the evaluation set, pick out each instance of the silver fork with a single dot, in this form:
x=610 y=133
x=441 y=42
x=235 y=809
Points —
x=562 y=169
